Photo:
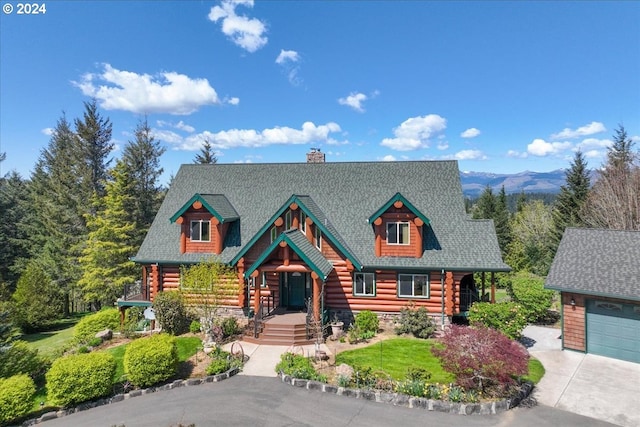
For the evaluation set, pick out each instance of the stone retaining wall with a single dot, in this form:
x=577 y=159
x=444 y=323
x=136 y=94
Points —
x=485 y=408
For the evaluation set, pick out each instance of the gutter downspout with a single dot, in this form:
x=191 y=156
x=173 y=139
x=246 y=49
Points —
x=443 y=296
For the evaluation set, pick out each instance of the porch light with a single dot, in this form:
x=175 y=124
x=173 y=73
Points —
x=572 y=302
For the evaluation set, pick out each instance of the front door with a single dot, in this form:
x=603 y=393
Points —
x=294 y=290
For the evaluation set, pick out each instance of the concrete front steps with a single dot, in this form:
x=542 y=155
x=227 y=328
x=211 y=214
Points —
x=287 y=329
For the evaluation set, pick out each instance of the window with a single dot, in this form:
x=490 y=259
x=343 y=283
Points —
x=413 y=285
x=398 y=233
x=287 y=220
x=317 y=237
x=200 y=231
x=303 y=222
x=274 y=233
x=364 y=284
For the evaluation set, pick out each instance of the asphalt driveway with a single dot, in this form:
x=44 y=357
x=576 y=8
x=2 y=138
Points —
x=594 y=386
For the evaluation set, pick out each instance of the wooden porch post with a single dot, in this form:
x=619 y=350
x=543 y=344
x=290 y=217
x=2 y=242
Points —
x=450 y=297
x=483 y=287
x=493 y=288
x=316 y=296
x=155 y=281
x=256 y=293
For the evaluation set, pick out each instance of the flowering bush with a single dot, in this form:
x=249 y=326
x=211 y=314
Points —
x=482 y=359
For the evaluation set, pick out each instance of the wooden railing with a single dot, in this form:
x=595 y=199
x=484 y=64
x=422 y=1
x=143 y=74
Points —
x=136 y=292
x=265 y=309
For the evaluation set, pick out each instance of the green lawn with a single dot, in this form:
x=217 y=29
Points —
x=51 y=342
x=395 y=355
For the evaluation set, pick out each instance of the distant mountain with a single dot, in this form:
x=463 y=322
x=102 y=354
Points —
x=473 y=183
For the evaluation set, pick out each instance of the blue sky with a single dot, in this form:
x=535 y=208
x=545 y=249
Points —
x=500 y=86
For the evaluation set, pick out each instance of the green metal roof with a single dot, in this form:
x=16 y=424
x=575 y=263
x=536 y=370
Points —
x=216 y=204
x=301 y=246
x=398 y=197
x=340 y=197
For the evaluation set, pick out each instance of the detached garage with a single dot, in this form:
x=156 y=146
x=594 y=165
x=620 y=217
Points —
x=598 y=275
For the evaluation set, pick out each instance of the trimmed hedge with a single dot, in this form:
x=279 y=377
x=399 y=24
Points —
x=528 y=290
x=150 y=360
x=88 y=326
x=80 y=377
x=16 y=394
x=19 y=358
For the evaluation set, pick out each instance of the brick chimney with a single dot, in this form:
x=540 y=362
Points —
x=315 y=156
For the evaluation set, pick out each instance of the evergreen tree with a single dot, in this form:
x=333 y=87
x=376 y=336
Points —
x=206 y=155
x=105 y=262
x=502 y=221
x=14 y=194
x=37 y=300
x=614 y=200
x=94 y=137
x=57 y=228
x=141 y=159
x=521 y=201
x=567 y=207
x=486 y=206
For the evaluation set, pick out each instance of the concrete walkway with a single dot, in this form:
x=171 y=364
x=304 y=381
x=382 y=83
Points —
x=264 y=358
x=594 y=386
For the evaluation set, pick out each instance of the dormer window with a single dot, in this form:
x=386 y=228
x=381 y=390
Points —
x=287 y=220
x=317 y=237
x=201 y=231
x=398 y=233
x=303 y=222
x=273 y=233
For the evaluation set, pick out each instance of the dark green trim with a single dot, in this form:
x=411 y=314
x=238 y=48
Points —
x=435 y=268
x=303 y=256
x=413 y=296
x=594 y=294
x=375 y=285
x=295 y=198
x=395 y=198
x=209 y=208
x=135 y=303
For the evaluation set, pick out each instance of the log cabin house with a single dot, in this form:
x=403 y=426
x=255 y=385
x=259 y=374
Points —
x=331 y=237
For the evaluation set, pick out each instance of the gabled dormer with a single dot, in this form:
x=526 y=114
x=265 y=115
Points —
x=398 y=229
x=204 y=221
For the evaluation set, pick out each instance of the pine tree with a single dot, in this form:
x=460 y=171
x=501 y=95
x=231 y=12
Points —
x=37 y=300
x=567 y=207
x=614 y=200
x=57 y=229
x=501 y=220
x=94 y=136
x=486 y=206
x=15 y=209
x=141 y=159
x=206 y=155
x=105 y=262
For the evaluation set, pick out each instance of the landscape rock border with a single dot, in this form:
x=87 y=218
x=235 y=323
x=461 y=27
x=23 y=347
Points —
x=398 y=399
x=133 y=393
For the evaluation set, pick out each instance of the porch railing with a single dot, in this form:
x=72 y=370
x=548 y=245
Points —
x=467 y=298
x=265 y=309
x=137 y=291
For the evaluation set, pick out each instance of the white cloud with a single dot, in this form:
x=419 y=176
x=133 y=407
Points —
x=287 y=56
x=248 y=33
x=48 y=131
x=167 y=92
x=388 y=158
x=542 y=148
x=592 y=154
x=586 y=130
x=185 y=127
x=167 y=136
x=355 y=100
x=588 y=143
x=250 y=138
x=517 y=154
x=415 y=133
x=288 y=60
x=232 y=101
x=470 y=133
x=443 y=145
x=470 y=155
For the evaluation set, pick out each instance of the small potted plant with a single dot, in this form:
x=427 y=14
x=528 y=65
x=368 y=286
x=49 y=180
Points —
x=336 y=326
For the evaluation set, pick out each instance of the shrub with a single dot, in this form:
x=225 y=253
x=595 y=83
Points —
x=218 y=366
x=506 y=317
x=16 y=394
x=151 y=360
x=171 y=312
x=89 y=326
x=94 y=342
x=482 y=359
x=20 y=359
x=367 y=322
x=229 y=326
x=416 y=322
x=528 y=290
x=80 y=377
x=134 y=321
x=298 y=367
x=194 y=327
